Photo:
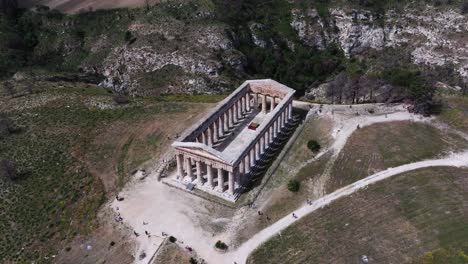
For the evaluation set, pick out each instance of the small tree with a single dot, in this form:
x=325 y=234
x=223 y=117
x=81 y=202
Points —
x=313 y=145
x=294 y=185
x=128 y=36
x=464 y=7
x=8 y=169
x=121 y=99
x=9 y=88
x=221 y=245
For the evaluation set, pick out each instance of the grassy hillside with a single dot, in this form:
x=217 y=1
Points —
x=416 y=217
x=389 y=145
x=386 y=145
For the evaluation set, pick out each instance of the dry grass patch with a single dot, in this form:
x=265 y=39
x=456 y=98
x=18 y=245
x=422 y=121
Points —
x=172 y=254
x=315 y=128
x=455 y=111
x=398 y=220
x=383 y=145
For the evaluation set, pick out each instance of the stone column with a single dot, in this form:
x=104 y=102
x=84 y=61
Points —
x=247 y=163
x=231 y=117
x=247 y=98
x=210 y=136
x=221 y=126
x=262 y=145
x=231 y=182
x=272 y=138
x=180 y=166
x=241 y=170
x=280 y=119
x=290 y=110
x=255 y=98
x=239 y=108
x=285 y=117
x=272 y=105
x=226 y=120
x=264 y=106
x=252 y=156
x=275 y=129
x=257 y=150
x=199 y=172
x=215 y=132
x=220 y=180
x=189 y=168
x=234 y=112
x=209 y=174
x=203 y=138
x=267 y=138
x=243 y=105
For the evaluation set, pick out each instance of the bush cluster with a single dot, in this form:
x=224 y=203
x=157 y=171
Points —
x=313 y=145
x=294 y=185
x=221 y=245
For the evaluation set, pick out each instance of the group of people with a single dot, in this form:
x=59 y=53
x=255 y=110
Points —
x=260 y=214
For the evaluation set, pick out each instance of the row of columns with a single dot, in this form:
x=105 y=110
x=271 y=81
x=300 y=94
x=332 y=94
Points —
x=265 y=99
x=212 y=174
x=263 y=143
x=225 y=121
x=206 y=174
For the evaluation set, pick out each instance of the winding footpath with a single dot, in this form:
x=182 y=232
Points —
x=241 y=254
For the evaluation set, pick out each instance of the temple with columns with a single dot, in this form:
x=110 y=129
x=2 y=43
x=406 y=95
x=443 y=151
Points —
x=219 y=151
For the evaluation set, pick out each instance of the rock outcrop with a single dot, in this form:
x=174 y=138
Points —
x=434 y=36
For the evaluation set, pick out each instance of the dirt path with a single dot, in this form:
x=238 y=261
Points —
x=241 y=254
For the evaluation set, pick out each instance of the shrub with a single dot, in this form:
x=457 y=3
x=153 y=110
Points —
x=8 y=169
x=313 y=145
x=221 y=245
x=464 y=7
x=9 y=88
x=193 y=261
x=172 y=239
x=7 y=127
x=294 y=185
x=128 y=36
x=121 y=99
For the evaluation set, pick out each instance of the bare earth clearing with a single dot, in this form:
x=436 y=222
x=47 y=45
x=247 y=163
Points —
x=199 y=223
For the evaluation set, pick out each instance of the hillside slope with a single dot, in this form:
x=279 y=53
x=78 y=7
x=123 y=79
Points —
x=330 y=51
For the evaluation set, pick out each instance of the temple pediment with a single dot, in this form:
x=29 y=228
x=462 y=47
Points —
x=202 y=153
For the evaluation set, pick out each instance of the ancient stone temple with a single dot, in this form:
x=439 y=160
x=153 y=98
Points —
x=219 y=151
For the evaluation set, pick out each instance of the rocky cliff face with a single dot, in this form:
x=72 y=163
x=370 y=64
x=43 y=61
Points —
x=198 y=51
x=432 y=36
x=188 y=48
x=436 y=37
